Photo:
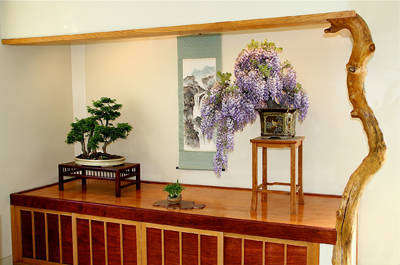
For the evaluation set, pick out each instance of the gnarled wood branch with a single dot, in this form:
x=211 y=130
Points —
x=363 y=48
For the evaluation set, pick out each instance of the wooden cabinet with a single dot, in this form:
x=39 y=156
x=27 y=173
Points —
x=46 y=237
x=43 y=237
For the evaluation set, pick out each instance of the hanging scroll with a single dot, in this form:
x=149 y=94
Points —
x=199 y=58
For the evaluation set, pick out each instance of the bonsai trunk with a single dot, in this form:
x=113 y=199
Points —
x=84 y=152
x=104 y=148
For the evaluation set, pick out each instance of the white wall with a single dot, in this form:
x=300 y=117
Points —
x=35 y=112
x=142 y=75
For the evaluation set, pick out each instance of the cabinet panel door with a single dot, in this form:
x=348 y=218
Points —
x=106 y=241
x=170 y=245
x=253 y=250
x=46 y=235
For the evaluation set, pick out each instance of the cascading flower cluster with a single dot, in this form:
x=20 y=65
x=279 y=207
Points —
x=261 y=81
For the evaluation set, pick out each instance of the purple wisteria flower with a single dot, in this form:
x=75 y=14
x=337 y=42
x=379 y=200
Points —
x=230 y=106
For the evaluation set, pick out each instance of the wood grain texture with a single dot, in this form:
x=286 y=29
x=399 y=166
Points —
x=208 y=250
x=172 y=248
x=53 y=238
x=190 y=246
x=83 y=233
x=129 y=245
x=113 y=244
x=315 y=221
x=98 y=241
x=253 y=252
x=66 y=239
x=16 y=232
x=232 y=251
x=274 y=253
x=40 y=236
x=296 y=255
x=207 y=28
x=363 y=48
x=154 y=246
x=26 y=239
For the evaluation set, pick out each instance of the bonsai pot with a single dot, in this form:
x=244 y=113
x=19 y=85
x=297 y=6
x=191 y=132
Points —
x=100 y=162
x=279 y=122
x=174 y=200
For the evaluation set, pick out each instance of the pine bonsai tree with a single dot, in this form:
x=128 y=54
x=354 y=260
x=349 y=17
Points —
x=97 y=128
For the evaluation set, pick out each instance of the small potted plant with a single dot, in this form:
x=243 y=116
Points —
x=262 y=83
x=174 y=192
x=96 y=129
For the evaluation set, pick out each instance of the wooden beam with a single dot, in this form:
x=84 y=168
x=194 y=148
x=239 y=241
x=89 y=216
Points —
x=207 y=28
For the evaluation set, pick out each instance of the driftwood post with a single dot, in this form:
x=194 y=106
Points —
x=363 y=48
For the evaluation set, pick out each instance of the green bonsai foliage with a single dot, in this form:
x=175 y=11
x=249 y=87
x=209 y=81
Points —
x=174 y=189
x=97 y=128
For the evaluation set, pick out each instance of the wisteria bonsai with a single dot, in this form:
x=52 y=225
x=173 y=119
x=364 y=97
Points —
x=262 y=81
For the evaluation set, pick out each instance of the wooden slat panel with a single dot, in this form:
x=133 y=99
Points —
x=190 y=248
x=296 y=255
x=98 y=243
x=53 y=238
x=40 y=236
x=66 y=239
x=253 y=252
x=232 y=251
x=209 y=250
x=171 y=248
x=154 y=254
x=218 y=27
x=274 y=253
x=113 y=244
x=129 y=244
x=26 y=230
x=83 y=241
x=16 y=233
x=313 y=254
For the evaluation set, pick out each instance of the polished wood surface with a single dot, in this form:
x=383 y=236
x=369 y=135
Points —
x=265 y=143
x=218 y=27
x=226 y=210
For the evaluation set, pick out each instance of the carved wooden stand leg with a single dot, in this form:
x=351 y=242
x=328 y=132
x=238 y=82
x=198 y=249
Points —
x=363 y=48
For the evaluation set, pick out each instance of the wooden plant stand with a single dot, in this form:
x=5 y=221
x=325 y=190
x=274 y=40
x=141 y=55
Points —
x=117 y=174
x=292 y=143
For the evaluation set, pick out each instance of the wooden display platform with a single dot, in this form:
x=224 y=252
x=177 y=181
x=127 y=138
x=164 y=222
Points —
x=118 y=174
x=96 y=216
